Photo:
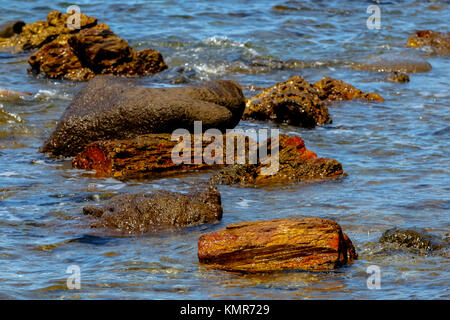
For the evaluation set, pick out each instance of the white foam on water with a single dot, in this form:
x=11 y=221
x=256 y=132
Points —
x=8 y=174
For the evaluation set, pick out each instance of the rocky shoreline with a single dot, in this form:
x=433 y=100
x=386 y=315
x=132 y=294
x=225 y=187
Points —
x=122 y=130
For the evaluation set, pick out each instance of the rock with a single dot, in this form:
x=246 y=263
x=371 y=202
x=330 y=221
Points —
x=395 y=62
x=337 y=90
x=142 y=212
x=294 y=102
x=144 y=156
x=10 y=28
x=11 y=93
x=35 y=35
x=438 y=41
x=58 y=61
x=94 y=51
x=413 y=240
x=296 y=164
x=312 y=244
x=398 y=77
x=112 y=108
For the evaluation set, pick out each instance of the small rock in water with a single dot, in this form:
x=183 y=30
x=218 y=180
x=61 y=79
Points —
x=398 y=77
x=140 y=213
x=414 y=240
x=438 y=41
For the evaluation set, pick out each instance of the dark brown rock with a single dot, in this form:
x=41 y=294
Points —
x=294 y=102
x=398 y=77
x=410 y=240
x=312 y=244
x=438 y=41
x=142 y=212
x=112 y=108
x=35 y=35
x=94 y=51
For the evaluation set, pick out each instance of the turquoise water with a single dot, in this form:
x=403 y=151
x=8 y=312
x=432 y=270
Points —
x=395 y=153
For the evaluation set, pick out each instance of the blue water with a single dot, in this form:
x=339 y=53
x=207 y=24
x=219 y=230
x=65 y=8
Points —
x=395 y=154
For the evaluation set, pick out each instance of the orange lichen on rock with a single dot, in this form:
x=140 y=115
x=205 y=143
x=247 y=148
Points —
x=312 y=244
x=438 y=41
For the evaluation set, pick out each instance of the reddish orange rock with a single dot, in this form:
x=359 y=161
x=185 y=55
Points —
x=144 y=156
x=312 y=244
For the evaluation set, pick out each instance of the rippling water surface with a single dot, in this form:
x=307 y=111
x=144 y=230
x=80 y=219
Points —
x=396 y=153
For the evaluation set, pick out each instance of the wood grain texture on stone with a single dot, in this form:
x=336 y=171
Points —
x=312 y=244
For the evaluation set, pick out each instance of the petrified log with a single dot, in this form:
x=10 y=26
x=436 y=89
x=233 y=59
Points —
x=142 y=212
x=285 y=244
x=330 y=89
x=295 y=164
x=112 y=108
x=294 y=102
x=151 y=156
x=438 y=41
x=144 y=156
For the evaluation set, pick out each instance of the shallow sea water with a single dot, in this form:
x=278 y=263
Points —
x=395 y=154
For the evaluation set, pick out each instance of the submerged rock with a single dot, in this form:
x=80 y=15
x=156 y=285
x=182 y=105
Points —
x=142 y=212
x=11 y=93
x=330 y=89
x=438 y=41
x=312 y=244
x=294 y=102
x=389 y=62
x=398 y=77
x=414 y=240
x=10 y=28
x=112 y=108
x=295 y=164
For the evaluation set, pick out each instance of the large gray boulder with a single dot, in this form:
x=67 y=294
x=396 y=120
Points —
x=110 y=107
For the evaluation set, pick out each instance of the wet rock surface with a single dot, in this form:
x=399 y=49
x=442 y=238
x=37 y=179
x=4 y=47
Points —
x=111 y=108
x=144 y=156
x=439 y=42
x=398 y=77
x=295 y=102
x=143 y=212
x=296 y=164
x=299 y=103
x=35 y=35
x=417 y=241
x=78 y=54
x=11 y=28
x=330 y=89
x=312 y=244
x=388 y=62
